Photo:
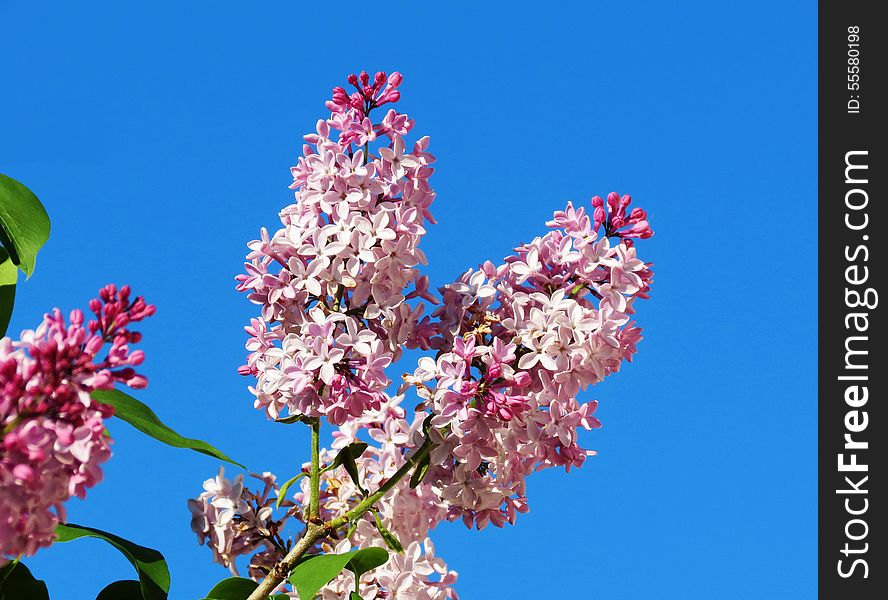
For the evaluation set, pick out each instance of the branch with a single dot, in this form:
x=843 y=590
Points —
x=315 y=532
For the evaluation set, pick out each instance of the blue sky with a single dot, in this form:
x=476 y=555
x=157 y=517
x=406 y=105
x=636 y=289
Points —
x=159 y=138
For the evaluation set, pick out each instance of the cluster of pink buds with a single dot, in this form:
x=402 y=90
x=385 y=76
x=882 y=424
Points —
x=351 y=112
x=367 y=97
x=54 y=437
x=615 y=220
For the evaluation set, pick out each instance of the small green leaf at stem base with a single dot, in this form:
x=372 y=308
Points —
x=346 y=458
x=387 y=536
x=154 y=575
x=355 y=450
x=24 y=224
x=137 y=414
x=17 y=583
x=419 y=472
x=354 y=596
x=292 y=419
x=282 y=492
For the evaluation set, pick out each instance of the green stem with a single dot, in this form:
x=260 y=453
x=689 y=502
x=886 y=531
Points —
x=315 y=532
x=368 y=502
x=314 y=505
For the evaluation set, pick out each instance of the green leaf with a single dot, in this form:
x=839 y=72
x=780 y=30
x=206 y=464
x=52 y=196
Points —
x=154 y=575
x=24 y=224
x=143 y=418
x=282 y=492
x=236 y=588
x=17 y=583
x=126 y=589
x=233 y=588
x=8 y=279
x=351 y=467
x=346 y=457
x=354 y=596
x=353 y=450
x=387 y=536
x=419 y=472
x=293 y=419
x=315 y=572
x=367 y=559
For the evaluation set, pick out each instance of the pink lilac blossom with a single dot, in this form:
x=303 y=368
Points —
x=514 y=344
x=331 y=280
x=225 y=520
x=233 y=520
x=54 y=437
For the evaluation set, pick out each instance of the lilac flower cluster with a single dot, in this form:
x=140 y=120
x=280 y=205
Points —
x=233 y=520
x=514 y=345
x=331 y=281
x=54 y=437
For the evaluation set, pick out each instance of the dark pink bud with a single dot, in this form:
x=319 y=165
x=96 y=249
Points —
x=353 y=79
x=599 y=215
x=636 y=215
x=379 y=77
x=94 y=344
x=597 y=201
x=365 y=78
